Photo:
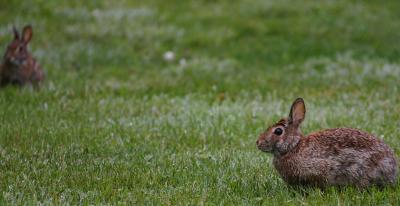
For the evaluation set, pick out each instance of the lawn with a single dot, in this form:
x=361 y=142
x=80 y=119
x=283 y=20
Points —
x=116 y=123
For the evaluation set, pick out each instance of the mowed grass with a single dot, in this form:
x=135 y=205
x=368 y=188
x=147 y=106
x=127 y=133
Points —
x=115 y=123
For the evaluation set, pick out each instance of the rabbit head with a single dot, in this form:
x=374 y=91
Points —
x=17 y=51
x=285 y=134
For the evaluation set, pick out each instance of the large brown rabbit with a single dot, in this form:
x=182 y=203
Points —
x=332 y=157
x=18 y=67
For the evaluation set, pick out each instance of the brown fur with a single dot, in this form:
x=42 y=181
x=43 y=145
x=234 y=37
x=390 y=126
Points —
x=332 y=157
x=18 y=67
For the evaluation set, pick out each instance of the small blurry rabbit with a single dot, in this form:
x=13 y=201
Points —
x=18 y=67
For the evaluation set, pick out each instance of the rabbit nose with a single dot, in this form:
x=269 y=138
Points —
x=258 y=142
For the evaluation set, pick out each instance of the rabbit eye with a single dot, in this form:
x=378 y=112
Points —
x=278 y=131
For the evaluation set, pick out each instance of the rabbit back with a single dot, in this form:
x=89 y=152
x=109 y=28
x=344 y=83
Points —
x=338 y=157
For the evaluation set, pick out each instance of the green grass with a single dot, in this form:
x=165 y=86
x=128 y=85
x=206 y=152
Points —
x=116 y=123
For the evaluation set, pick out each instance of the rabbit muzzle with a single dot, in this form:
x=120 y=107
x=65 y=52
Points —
x=263 y=145
x=16 y=61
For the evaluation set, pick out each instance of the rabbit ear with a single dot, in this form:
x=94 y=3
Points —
x=16 y=33
x=297 y=112
x=27 y=33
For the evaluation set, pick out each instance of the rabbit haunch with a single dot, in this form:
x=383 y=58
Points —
x=332 y=157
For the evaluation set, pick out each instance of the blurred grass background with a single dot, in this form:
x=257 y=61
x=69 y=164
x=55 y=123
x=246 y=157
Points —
x=118 y=123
